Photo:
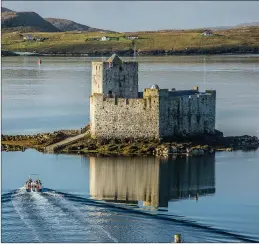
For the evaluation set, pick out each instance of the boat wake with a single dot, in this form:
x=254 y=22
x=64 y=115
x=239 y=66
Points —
x=53 y=216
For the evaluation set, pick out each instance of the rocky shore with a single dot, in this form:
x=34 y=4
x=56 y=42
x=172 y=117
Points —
x=38 y=141
x=179 y=146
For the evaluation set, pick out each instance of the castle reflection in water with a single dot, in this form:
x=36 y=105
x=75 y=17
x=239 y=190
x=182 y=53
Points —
x=151 y=180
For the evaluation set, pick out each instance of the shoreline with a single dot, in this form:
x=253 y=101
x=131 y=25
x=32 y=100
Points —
x=125 y=55
x=199 y=146
x=130 y=53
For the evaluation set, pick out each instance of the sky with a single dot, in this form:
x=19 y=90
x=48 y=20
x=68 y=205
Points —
x=146 y=15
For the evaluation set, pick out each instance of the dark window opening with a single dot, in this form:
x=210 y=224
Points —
x=110 y=93
x=120 y=68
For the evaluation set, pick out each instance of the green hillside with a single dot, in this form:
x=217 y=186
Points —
x=244 y=39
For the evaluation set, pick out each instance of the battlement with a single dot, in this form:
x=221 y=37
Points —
x=142 y=103
x=153 y=92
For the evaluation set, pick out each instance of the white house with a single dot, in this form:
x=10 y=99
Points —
x=28 y=38
x=105 y=38
x=207 y=33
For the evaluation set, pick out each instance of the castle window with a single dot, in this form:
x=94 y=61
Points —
x=96 y=67
x=120 y=68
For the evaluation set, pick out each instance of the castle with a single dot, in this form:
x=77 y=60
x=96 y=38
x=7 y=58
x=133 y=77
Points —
x=119 y=110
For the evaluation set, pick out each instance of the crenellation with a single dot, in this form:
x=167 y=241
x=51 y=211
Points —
x=118 y=110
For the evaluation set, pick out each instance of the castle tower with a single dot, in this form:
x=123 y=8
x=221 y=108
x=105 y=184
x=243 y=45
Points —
x=115 y=78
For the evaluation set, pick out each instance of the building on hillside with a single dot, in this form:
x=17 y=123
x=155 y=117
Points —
x=105 y=38
x=28 y=38
x=207 y=33
x=119 y=110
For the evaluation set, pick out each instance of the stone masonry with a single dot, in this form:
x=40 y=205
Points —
x=118 y=110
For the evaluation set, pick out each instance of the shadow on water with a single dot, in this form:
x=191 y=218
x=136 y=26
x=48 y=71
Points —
x=133 y=185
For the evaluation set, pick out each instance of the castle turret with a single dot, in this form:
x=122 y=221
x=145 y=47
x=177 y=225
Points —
x=115 y=78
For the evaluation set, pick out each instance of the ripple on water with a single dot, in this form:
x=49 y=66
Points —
x=52 y=217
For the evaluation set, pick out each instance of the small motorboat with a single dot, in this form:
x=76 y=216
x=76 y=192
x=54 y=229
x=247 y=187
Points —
x=33 y=185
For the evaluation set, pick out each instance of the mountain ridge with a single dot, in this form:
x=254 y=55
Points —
x=29 y=21
x=69 y=25
x=24 y=21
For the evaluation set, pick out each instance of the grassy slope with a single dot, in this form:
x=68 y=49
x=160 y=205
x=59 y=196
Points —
x=68 y=42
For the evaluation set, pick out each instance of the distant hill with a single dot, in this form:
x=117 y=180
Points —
x=232 y=27
x=68 y=25
x=247 y=24
x=25 y=21
x=3 y=10
x=217 y=28
x=32 y=22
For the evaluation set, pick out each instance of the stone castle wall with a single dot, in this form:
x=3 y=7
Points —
x=187 y=115
x=120 y=80
x=121 y=117
x=152 y=116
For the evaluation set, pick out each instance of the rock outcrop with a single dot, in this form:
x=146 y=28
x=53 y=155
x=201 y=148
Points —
x=128 y=146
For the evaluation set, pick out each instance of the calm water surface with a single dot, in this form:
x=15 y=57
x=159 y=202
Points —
x=101 y=199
